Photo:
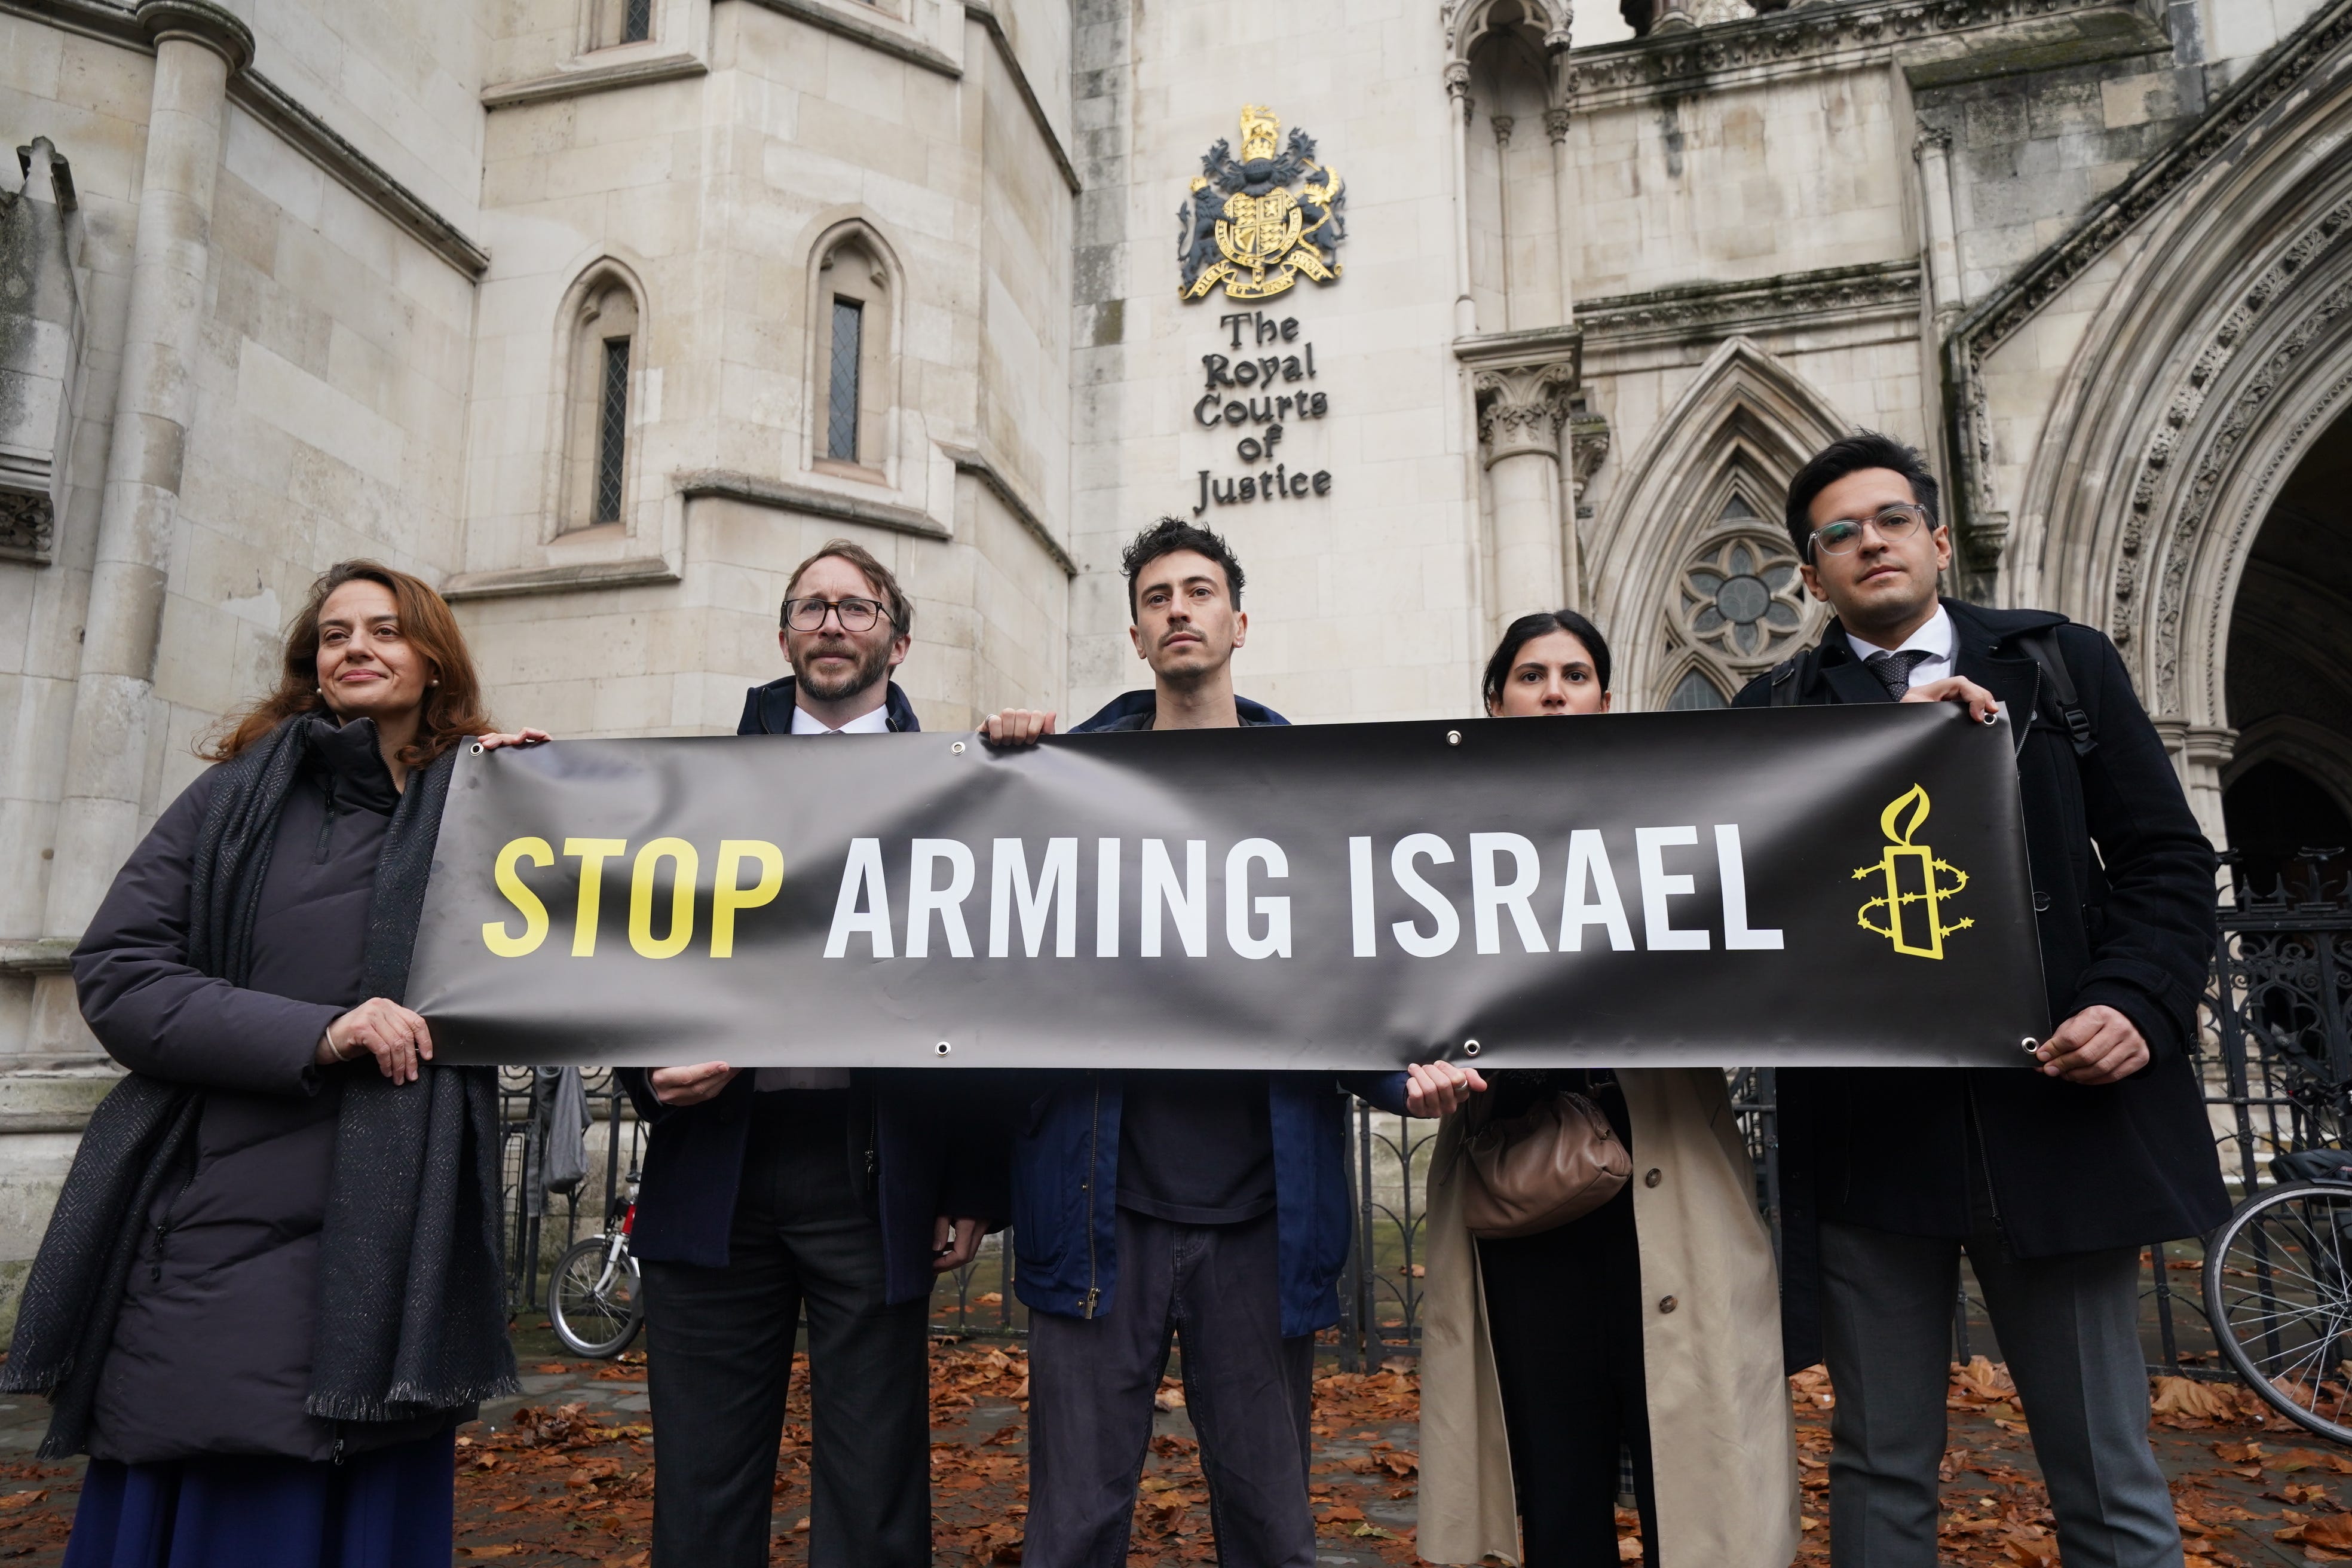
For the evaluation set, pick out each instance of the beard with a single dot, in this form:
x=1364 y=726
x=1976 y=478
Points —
x=871 y=665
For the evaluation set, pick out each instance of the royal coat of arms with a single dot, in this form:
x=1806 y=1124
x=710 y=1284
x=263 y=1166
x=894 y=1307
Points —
x=1242 y=225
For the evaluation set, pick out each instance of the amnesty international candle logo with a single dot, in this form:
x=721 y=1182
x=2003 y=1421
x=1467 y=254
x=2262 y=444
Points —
x=1914 y=879
x=1242 y=225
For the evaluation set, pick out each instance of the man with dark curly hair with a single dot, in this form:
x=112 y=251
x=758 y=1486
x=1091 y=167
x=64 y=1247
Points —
x=1205 y=1205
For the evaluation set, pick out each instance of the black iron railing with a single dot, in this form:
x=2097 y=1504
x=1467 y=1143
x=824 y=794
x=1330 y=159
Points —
x=534 y=1215
x=2274 y=1053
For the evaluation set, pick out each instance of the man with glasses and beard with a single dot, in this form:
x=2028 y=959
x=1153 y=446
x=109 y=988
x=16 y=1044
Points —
x=2052 y=1175
x=772 y=1189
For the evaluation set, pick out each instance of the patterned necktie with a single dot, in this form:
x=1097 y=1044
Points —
x=1893 y=669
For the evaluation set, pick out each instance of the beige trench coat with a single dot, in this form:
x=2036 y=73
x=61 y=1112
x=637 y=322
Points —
x=1722 y=1439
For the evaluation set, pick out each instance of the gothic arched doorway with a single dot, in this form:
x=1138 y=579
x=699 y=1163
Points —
x=2288 y=787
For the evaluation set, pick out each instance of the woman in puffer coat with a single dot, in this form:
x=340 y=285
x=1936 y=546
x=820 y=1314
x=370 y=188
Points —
x=272 y=1286
x=1651 y=1323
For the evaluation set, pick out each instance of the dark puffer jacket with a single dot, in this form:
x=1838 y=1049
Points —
x=212 y=1352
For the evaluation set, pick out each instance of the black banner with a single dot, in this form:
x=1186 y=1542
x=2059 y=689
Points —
x=1814 y=886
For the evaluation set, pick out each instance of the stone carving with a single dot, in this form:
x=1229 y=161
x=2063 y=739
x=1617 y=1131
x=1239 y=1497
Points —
x=1588 y=447
x=2307 y=246
x=1725 y=309
x=1522 y=408
x=1466 y=21
x=27 y=525
x=2008 y=307
x=41 y=328
x=2189 y=517
x=1682 y=60
x=2002 y=313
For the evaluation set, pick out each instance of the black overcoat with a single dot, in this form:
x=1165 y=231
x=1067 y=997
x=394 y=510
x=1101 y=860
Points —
x=2123 y=888
x=212 y=1348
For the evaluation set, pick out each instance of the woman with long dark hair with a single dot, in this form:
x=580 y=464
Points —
x=1648 y=1329
x=273 y=1286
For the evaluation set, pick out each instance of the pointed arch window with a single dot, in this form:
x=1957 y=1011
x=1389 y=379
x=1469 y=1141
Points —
x=600 y=414
x=1694 y=692
x=852 y=378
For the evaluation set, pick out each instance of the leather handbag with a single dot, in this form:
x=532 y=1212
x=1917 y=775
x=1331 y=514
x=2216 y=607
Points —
x=1532 y=1173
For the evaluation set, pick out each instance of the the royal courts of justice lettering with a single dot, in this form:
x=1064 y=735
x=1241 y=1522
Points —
x=600 y=314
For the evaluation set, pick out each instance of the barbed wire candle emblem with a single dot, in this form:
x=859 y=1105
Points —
x=1914 y=879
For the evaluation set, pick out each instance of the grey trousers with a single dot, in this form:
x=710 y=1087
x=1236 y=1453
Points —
x=1248 y=1390
x=720 y=1352
x=2069 y=1327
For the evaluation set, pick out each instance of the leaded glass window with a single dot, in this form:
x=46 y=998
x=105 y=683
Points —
x=1695 y=691
x=612 y=430
x=841 y=397
x=637 y=21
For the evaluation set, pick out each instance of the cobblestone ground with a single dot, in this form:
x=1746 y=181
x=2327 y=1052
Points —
x=564 y=1474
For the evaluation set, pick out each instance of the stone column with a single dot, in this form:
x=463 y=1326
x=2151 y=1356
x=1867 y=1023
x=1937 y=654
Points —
x=1457 y=93
x=1932 y=149
x=2200 y=751
x=197 y=47
x=1521 y=409
x=1502 y=124
x=1564 y=197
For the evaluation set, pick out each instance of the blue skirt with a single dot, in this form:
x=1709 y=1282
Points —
x=390 y=1508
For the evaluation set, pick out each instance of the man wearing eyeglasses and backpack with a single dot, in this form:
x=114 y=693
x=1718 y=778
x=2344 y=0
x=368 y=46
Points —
x=2053 y=1175
x=769 y=1189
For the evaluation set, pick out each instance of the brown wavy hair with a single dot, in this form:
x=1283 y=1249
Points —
x=452 y=710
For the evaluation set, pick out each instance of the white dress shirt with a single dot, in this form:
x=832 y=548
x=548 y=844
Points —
x=876 y=723
x=1935 y=639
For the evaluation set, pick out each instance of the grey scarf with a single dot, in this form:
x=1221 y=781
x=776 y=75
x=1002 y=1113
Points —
x=411 y=1296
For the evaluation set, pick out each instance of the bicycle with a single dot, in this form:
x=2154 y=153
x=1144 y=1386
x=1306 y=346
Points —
x=2278 y=1291
x=595 y=1302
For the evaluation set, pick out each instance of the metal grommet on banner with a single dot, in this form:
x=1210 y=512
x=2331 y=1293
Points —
x=480 y=748
x=2029 y=1045
x=1452 y=737
x=957 y=747
x=1469 y=1048
x=941 y=1050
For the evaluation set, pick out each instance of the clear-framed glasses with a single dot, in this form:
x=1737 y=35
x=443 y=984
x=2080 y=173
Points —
x=1892 y=522
x=855 y=614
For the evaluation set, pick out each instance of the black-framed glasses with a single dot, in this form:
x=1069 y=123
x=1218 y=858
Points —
x=855 y=614
x=1892 y=522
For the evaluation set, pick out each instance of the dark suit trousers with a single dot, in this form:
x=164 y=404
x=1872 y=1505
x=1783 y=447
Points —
x=2069 y=1327
x=719 y=1344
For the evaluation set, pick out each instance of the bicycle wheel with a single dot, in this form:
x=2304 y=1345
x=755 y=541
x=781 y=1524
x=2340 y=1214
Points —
x=2278 y=1290
x=592 y=1300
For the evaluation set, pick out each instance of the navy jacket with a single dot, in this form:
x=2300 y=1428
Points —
x=2123 y=884
x=1066 y=1160
x=911 y=1150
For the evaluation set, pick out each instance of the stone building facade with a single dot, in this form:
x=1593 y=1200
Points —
x=601 y=313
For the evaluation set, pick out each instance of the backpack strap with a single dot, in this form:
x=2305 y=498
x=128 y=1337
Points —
x=1784 y=681
x=2040 y=645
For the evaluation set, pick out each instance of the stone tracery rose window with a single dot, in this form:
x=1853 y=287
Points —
x=1739 y=597
x=1740 y=607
